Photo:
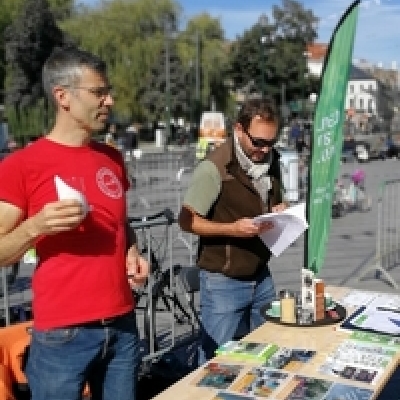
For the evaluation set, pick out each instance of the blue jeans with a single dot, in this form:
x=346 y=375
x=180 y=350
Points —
x=230 y=308
x=62 y=360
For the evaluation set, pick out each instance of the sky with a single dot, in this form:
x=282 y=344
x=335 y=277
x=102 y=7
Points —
x=377 y=36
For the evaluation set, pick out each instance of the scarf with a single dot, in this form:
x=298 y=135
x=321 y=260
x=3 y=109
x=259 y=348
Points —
x=258 y=173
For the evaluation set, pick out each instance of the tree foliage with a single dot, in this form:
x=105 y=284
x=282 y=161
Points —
x=29 y=41
x=61 y=9
x=126 y=35
x=130 y=35
x=270 y=57
x=164 y=97
x=204 y=49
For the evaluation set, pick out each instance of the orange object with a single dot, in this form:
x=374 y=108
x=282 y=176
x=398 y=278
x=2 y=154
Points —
x=14 y=340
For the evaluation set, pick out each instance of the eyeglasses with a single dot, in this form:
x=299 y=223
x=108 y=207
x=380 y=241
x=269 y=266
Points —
x=100 y=91
x=260 y=143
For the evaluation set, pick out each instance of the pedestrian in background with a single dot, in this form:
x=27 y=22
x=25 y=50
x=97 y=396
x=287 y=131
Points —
x=84 y=327
x=111 y=134
x=236 y=182
x=294 y=134
x=132 y=140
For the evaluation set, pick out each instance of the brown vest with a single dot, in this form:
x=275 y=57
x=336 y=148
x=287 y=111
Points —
x=237 y=257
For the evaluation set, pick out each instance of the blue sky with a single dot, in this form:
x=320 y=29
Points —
x=377 y=36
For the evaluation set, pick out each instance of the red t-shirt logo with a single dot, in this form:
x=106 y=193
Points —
x=109 y=184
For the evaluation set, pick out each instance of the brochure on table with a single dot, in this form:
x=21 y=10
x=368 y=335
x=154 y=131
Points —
x=381 y=314
x=251 y=351
x=288 y=225
x=363 y=357
x=262 y=383
x=218 y=375
x=290 y=359
x=306 y=388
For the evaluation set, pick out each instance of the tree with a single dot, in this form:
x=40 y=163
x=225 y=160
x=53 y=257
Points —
x=29 y=41
x=203 y=48
x=269 y=58
x=128 y=36
x=9 y=10
x=155 y=96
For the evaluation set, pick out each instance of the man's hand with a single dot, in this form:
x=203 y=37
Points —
x=58 y=216
x=137 y=268
x=245 y=227
x=279 y=207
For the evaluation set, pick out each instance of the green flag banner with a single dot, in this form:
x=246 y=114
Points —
x=327 y=137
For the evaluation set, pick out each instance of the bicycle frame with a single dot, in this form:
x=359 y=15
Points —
x=145 y=224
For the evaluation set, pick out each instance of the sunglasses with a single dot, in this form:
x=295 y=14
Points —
x=260 y=143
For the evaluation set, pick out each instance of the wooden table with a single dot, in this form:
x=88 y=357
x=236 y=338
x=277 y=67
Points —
x=323 y=339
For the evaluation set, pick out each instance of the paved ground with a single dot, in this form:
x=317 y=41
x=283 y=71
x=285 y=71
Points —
x=351 y=248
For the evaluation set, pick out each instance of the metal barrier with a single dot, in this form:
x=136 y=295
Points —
x=6 y=299
x=189 y=241
x=154 y=182
x=156 y=237
x=387 y=254
x=146 y=241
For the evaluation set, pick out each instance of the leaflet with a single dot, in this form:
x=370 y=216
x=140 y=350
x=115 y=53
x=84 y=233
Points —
x=288 y=225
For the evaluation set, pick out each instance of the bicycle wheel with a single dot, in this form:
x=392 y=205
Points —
x=163 y=301
x=149 y=321
x=363 y=201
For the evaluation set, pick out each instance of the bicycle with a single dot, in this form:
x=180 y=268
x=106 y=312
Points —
x=352 y=196
x=159 y=286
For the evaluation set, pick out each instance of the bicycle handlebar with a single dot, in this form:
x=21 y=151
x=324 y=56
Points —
x=167 y=213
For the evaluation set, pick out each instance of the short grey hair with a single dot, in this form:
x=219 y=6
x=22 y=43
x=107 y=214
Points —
x=65 y=66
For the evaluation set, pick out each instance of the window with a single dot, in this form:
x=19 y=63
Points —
x=351 y=103
x=351 y=88
x=370 y=105
x=361 y=104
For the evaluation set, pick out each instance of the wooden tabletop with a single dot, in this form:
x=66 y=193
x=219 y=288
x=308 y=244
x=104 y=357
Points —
x=323 y=339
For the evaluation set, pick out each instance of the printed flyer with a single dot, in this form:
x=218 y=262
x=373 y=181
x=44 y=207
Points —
x=250 y=351
x=216 y=375
x=290 y=359
x=260 y=382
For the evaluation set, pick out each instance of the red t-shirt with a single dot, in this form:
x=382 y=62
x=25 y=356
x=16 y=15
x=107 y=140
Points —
x=81 y=274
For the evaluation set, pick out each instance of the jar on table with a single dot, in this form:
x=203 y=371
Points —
x=288 y=306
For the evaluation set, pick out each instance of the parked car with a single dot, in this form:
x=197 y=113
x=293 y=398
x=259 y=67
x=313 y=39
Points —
x=348 y=150
x=370 y=146
x=392 y=149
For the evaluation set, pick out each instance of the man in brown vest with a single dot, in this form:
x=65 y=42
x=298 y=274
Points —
x=238 y=181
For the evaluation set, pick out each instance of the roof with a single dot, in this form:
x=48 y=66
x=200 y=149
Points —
x=359 y=74
x=316 y=51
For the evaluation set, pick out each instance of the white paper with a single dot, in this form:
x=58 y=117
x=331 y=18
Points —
x=357 y=298
x=65 y=192
x=288 y=226
x=387 y=322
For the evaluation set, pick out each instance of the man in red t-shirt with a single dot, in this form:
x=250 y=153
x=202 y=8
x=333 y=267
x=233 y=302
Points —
x=64 y=195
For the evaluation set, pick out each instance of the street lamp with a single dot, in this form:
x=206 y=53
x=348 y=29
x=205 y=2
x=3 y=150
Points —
x=306 y=75
x=313 y=99
x=167 y=94
x=171 y=33
x=263 y=22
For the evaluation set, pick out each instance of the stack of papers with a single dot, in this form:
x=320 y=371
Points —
x=288 y=225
